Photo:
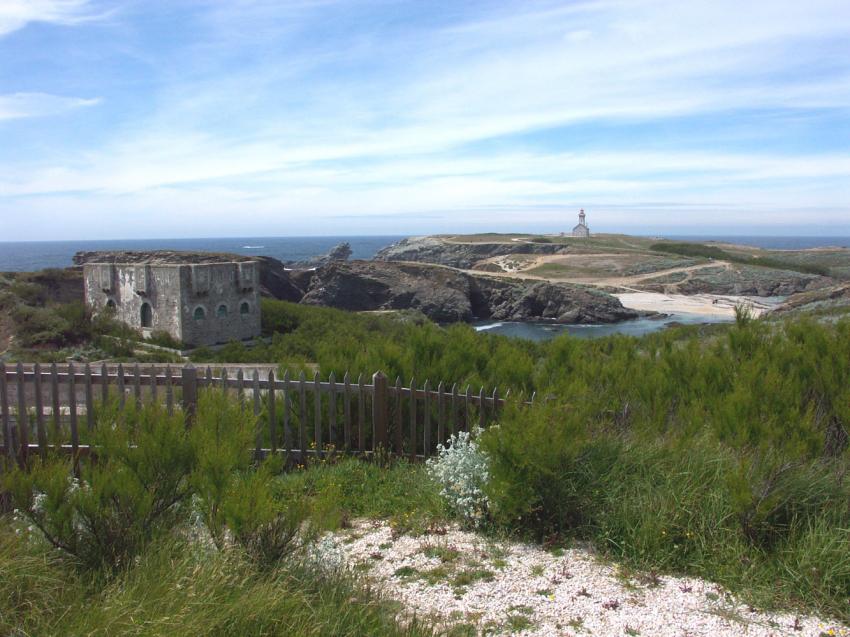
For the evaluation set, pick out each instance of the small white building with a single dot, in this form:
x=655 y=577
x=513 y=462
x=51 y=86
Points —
x=581 y=230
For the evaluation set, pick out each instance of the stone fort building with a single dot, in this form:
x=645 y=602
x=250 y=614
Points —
x=198 y=304
x=581 y=230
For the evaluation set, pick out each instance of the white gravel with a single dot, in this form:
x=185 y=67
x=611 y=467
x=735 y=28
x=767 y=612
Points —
x=525 y=590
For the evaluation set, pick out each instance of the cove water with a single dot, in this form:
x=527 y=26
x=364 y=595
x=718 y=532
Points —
x=633 y=327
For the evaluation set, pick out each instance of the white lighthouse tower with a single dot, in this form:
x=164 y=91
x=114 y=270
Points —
x=581 y=230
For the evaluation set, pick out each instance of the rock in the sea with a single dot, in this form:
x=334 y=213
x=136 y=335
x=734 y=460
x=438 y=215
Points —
x=340 y=252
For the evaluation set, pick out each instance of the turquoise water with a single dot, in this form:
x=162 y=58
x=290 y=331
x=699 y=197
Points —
x=634 y=327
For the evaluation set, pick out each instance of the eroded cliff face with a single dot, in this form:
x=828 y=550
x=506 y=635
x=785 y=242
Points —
x=460 y=255
x=446 y=295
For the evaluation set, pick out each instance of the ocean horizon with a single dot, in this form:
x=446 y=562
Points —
x=27 y=256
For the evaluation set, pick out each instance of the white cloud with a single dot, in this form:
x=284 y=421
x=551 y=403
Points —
x=20 y=105
x=376 y=121
x=16 y=14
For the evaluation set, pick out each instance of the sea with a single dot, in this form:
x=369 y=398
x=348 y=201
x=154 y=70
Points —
x=24 y=256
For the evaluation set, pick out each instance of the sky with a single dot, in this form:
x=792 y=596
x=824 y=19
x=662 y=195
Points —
x=205 y=118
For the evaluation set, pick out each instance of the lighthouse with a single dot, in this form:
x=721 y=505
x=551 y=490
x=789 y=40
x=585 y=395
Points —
x=581 y=230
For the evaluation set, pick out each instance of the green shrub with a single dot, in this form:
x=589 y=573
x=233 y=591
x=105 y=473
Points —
x=147 y=466
x=743 y=518
x=233 y=497
x=278 y=317
x=545 y=476
x=222 y=439
x=119 y=503
x=164 y=339
x=56 y=326
x=267 y=526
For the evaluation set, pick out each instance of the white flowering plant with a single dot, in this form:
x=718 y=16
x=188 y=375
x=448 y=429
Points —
x=326 y=555
x=461 y=469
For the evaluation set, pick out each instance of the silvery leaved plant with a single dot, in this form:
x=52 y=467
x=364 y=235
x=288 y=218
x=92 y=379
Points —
x=327 y=555
x=461 y=469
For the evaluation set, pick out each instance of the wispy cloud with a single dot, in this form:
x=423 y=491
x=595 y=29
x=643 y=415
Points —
x=16 y=14
x=264 y=111
x=19 y=105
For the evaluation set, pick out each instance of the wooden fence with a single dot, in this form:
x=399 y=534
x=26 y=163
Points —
x=299 y=416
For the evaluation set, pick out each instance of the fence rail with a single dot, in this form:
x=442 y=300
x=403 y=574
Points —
x=298 y=416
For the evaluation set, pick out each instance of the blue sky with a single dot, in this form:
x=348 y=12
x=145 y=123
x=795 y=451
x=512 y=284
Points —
x=155 y=118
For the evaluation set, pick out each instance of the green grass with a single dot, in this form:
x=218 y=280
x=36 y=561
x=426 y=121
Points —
x=353 y=488
x=658 y=506
x=178 y=590
x=561 y=271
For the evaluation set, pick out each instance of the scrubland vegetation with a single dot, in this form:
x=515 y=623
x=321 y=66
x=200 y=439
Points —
x=45 y=314
x=178 y=531
x=720 y=452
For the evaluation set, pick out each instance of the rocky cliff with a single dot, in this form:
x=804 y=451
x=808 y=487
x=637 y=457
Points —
x=460 y=255
x=446 y=295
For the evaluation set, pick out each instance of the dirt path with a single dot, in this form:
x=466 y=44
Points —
x=624 y=282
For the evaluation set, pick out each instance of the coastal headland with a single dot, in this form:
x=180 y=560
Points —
x=644 y=274
x=557 y=279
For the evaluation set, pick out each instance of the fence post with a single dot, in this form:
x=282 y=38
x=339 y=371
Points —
x=380 y=411
x=23 y=416
x=4 y=409
x=189 y=381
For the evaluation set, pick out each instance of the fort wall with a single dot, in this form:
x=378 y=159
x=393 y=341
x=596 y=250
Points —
x=201 y=304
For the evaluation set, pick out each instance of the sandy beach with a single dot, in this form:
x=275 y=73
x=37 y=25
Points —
x=704 y=304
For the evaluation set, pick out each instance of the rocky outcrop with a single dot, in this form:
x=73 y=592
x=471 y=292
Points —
x=340 y=252
x=446 y=295
x=275 y=279
x=461 y=255
x=827 y=299
x=737 y=279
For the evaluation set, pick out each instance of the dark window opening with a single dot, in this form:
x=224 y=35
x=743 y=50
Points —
x=110 y=304
x=221 y=311
x=244 y=308
x=147 y=315
x=199 y=314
